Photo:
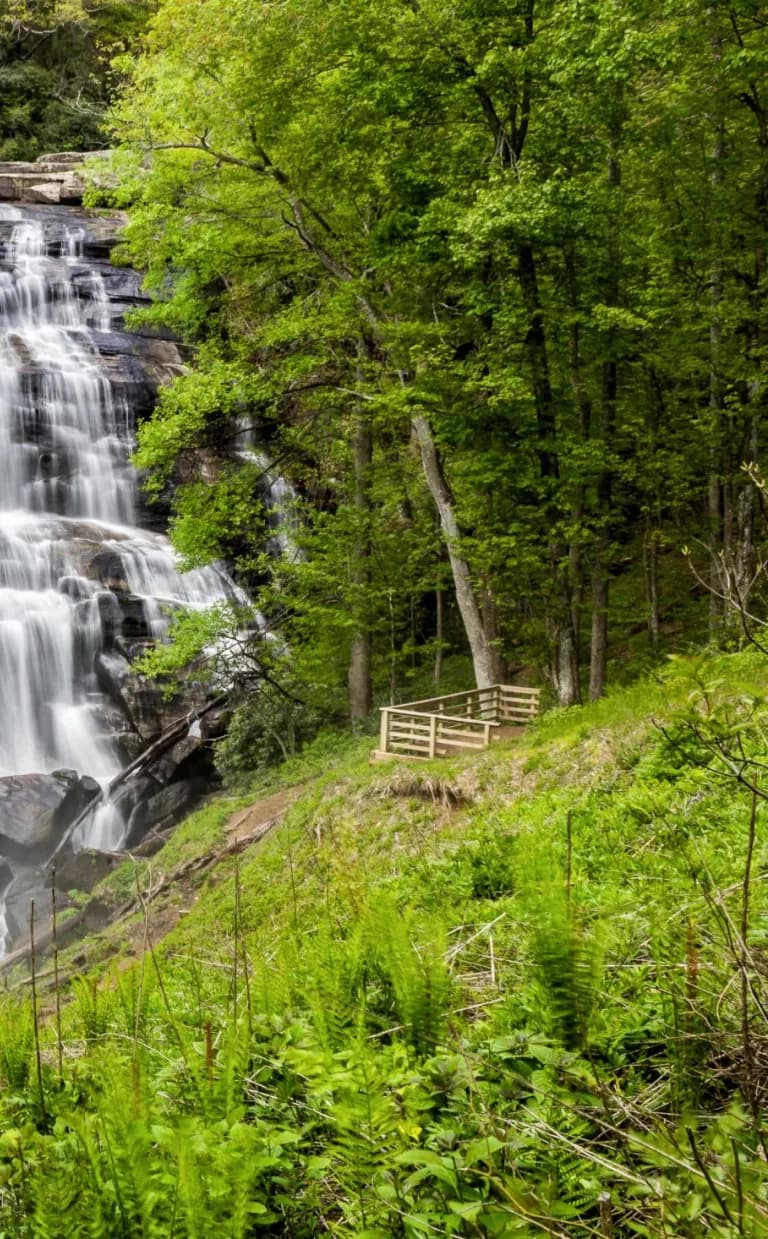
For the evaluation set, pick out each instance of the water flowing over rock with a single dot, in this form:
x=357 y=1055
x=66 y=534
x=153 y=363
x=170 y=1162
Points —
x=83 y=588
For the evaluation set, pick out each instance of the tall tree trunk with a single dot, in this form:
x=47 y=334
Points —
x=439 y=632
x=716 y=394
x=565 y=661
x=600 y=581
x=567 y=668
x=655 y=416
x=745 y=503
x=599 y=644
x=359 y=679
x=479 y=645
x=565 y=664
x=491 y=626
x=600 y=586
x=510 y=132
x=584 y=408
x=650 y=569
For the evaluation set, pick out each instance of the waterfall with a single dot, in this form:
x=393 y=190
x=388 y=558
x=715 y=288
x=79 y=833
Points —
x=77 y=575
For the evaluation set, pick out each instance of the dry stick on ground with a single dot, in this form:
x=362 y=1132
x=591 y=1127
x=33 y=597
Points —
x=246 y=972
x=453 y=951
x=744 y=960
x=606 y=1221
x=702 y=1165
x=160 y=982
x=56 y=987
x=569 y=855
x=142 y=976
x=237 y=940
x=35 y=1026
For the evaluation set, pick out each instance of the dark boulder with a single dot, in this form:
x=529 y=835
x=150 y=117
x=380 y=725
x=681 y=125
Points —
x=36 y=809
x=187 y=759
x=85 y=869
x=135 y=789
x=161 y=811
x=107 y=568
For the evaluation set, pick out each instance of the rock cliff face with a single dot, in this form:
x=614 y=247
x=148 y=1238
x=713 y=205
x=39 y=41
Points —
x=87 y=577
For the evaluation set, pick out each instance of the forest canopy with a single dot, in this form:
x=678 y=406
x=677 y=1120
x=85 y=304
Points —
x=488 y=282
x=56 y=79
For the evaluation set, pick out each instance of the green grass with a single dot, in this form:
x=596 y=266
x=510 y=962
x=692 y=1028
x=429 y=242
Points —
x=467 y=997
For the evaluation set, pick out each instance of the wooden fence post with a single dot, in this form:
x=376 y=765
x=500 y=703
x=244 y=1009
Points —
x=384 y=735
x=432 y=734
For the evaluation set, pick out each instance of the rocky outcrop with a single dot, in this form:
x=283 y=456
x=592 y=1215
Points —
x=51 y=179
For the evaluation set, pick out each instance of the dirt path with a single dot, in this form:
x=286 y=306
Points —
x=180 y=888
x=247 y=821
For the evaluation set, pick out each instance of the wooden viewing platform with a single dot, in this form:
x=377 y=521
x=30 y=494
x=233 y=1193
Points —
x=456 y=721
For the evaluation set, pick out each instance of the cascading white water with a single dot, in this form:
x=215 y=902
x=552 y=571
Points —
x=280 y=498
x=67 y=496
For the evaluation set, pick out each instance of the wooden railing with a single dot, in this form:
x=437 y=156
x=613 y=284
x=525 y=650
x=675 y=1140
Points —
x=441 y=725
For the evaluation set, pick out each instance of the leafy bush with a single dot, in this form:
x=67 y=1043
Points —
x=267 y=729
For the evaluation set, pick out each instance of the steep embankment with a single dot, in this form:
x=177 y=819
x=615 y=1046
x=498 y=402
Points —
x=516 y=993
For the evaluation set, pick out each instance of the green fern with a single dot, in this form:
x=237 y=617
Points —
x=16 y=1043
x=409 y=959
x=568 y=963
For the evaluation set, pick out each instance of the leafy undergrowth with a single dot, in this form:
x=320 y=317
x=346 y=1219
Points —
x=518 y=993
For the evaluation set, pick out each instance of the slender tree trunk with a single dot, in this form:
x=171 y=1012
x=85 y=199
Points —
x=599 y=645
x=479 y=645
x=650 y=568
x=744 y=504
x=439 y=632
x=716 y=395
x=584 y=409
x=600 y=586
x=510 y=135
x=566 y=667
x=600 y=579
x=491 y=626
x=566 y=654
x=536 y=348
x=359 y=672
x=656 y=412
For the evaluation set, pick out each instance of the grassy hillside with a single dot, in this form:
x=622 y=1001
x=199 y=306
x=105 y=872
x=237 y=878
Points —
x=511 y=994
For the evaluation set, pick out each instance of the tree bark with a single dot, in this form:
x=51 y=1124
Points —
x=650 y=566
x=600 y=582
x=584 y=408
x=359 y=680
x=565 y=662
x=716 y=395
x=599 y=646
x=439 y=631
x=479 y=645
x=566 y=651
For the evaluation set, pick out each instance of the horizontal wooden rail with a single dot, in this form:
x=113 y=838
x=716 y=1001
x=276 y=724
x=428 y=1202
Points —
x=454 y=721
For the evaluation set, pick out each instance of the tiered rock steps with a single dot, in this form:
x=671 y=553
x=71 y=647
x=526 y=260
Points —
x=50 y=179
